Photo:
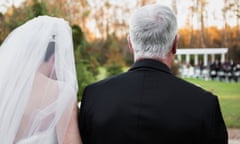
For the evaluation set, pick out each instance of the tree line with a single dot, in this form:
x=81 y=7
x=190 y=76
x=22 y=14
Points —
x=100 y=30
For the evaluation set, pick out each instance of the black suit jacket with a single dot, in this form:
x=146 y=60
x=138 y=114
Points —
x=149 y=105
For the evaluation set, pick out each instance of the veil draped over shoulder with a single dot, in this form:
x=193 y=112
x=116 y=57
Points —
x=38 y=84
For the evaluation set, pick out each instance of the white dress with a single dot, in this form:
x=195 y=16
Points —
x=48 y=137
x=38 y=84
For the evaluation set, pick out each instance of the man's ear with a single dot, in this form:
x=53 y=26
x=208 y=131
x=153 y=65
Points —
x=130 y=44
x=175 y=44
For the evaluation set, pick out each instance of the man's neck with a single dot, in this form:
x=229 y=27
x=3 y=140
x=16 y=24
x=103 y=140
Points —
x=165 y=61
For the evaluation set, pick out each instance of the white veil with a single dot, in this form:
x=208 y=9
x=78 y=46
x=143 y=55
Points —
x=38 y=84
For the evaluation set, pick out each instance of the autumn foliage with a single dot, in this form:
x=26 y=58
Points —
x=100 y=30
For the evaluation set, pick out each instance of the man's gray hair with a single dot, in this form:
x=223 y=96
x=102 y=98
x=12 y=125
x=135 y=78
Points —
x=152 y=31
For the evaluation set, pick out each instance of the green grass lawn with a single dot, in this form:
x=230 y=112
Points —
x=229 y=97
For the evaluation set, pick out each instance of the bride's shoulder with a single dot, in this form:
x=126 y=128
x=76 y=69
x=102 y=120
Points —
x=43 y=84
x=41 y=78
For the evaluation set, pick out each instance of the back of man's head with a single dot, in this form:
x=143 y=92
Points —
x=152 y=31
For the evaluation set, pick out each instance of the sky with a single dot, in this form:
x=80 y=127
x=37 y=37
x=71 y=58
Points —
x=214 y=12
x=214 y=9
x=5 y=3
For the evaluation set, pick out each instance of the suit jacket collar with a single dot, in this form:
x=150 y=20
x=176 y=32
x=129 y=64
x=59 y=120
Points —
x=150 y=64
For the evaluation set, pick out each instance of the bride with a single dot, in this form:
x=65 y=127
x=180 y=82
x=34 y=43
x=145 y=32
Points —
x=38 y=84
